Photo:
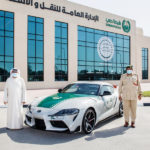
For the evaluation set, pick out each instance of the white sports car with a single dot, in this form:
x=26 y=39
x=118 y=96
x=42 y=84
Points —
x=77 y=107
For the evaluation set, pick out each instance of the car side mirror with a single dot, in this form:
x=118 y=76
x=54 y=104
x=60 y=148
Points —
x=59 y=90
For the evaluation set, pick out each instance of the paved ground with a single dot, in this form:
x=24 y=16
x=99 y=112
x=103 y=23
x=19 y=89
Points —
x=109 y=135
x=145 y=86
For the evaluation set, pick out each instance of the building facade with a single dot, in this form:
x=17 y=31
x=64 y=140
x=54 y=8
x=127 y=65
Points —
x=57 y=42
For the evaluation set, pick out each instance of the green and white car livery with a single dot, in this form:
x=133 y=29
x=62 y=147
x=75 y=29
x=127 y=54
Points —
x=77 y=107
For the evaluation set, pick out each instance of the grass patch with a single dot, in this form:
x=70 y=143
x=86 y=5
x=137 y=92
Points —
x=146 y=94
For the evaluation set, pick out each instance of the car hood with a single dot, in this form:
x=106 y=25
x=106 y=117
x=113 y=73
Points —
x=58 y=98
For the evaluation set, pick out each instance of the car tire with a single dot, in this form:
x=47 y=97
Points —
x=120 y=113
x=88 y=122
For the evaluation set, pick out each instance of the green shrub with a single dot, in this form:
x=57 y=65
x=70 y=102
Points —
x=146 y=94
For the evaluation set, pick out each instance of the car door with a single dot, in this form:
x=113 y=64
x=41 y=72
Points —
x=108 y=97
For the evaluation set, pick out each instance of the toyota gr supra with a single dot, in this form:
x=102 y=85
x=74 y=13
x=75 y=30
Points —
x=77 y=107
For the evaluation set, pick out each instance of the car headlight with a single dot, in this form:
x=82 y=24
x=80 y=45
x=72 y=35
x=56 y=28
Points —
x=64 y=112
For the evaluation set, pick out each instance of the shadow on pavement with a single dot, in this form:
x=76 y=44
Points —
x=33 y=136
x=39 y=137
x=120 y=130
x=107 y=133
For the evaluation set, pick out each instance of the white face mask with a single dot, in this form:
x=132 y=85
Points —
x=15 y=75
x=129 y=71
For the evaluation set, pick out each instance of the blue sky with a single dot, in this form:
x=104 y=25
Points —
x=139 y=10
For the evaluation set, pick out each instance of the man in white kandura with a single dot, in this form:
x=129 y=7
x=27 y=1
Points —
x=15 y=96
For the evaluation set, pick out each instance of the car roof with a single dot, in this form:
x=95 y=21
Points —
x=93 y=82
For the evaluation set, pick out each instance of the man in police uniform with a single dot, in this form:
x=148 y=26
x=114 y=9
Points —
x=129 y=92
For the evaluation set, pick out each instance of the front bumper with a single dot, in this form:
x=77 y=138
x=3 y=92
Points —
x=43 y=120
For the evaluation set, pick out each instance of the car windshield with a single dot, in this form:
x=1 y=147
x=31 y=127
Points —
x=89 y=89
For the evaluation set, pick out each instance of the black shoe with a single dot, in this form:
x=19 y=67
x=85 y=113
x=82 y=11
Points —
x=126 y=124
x=132 y=125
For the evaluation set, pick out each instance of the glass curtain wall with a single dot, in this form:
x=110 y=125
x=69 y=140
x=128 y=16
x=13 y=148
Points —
x=61 y=51
x=145 y=63
x=91 y=66
x=35 y=49
x=6 y=44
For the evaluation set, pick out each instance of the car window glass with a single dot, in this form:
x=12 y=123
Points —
x=90 y=89
x=112 y=89
x=107 y=89
x=72 y=88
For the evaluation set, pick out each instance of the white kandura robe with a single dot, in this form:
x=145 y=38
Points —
x=15 y=94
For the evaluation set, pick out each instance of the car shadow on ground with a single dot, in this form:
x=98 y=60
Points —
x=119 y=130
x=39 y=137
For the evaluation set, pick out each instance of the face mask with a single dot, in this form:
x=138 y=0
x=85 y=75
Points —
x=129 y=71
x=15 y=75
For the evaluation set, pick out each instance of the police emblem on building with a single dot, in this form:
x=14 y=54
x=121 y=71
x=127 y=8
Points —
x=126 y=26
x=105 y=48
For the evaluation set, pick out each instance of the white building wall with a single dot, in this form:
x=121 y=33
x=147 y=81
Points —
x=142 y=42
x=22 y=11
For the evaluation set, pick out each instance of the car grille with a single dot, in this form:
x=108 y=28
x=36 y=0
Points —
x=58 y=124
x=28 y=118
x=40 y=124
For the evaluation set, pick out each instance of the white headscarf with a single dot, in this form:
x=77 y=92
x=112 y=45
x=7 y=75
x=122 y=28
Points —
x=18 y=71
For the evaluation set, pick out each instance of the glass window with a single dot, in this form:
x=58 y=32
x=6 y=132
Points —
x=31 y=48
x=39 y=38
x=90 y=54
x=90 y=64
x=90 y=37
x=9 y=24
x=1 y=23
x=6 y=44
x=39 y=49
x=81 y=53
x=9 y=34
x=111 y=34
x=35 y=49
x=145 y=63
x=89 y=89
x=39 y=20
x=61 y=51
x=2 y=13
x=1 y=45
x=81 y=28
x=1 y=67
x=126 y=43
x=81 y=36
x=106 y=88
x=119 y=42
x=99 y=32
x=31 y=27
x=30 y=18
x=64 y=33
x=57 y=31
x=9 y=15
x=39 y=28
